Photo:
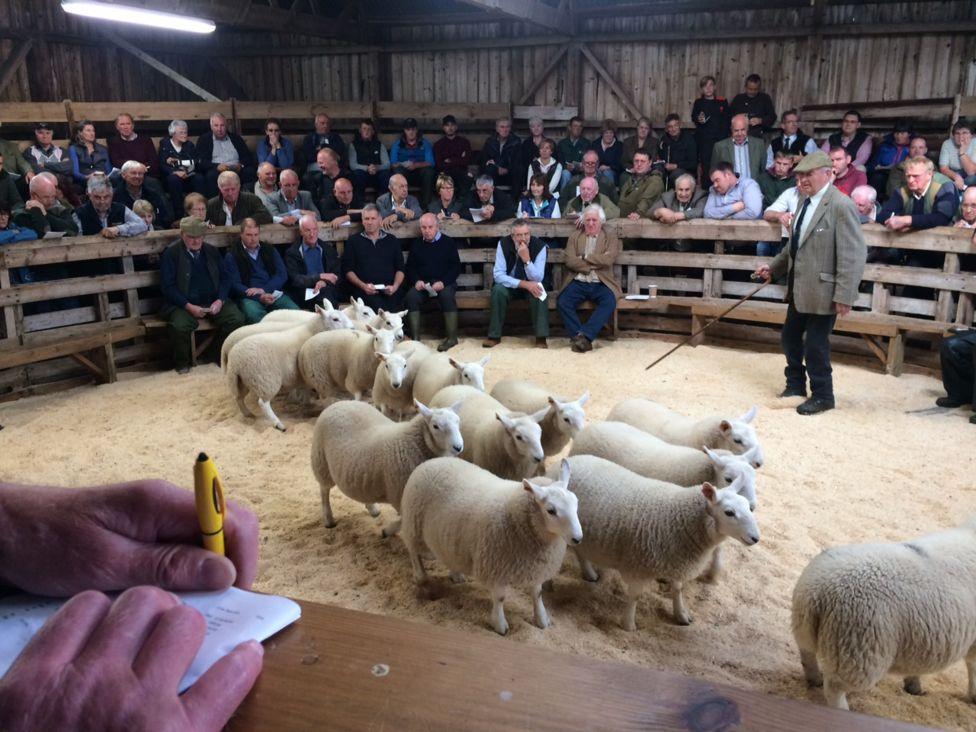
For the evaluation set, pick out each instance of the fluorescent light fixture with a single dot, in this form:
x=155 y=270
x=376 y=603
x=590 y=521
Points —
x=139 y=16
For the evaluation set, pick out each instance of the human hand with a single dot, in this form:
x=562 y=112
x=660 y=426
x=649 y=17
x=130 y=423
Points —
x=533 y=288
x=841 y=309
x=196 y=311
x=762 y=272
x=29 y=175
x=110 y=232
x=738 y=206
x=267 y=298
x=319 y=285
x=289 y=220
x=408 y=164
x=522 y=251
x=503 y=171
x=32 y=203
x=330 y=278
x=438 y=286
x=216 y=306
x=222 y=167
x=487 y=211
x=101 y=664
x=253 y=291
x=579 y=222
x=633 y=216
x=961 y=224
x=418 y=285
x=408 y=214
x=960 y=183
x=368 y=288
x=181 y=174
x=670 y=166
x=455 y=217
x=391 y=219
x=440 y=216
x=753 y=121
x=338 y=221
x=371 y=169
x=113 y=537
x=785 y=219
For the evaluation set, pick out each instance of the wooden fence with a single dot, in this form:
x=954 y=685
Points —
x=112 y=330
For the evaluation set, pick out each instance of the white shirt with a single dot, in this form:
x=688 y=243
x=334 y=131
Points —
x=741 y=153
x=814 y=202
x=229 y=220
x=787 y=201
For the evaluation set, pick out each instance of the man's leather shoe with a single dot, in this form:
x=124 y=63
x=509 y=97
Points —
x=183 y=370
x=541 y=343
x=813 y=405
x=948 y=402
x=791 y=392
x=585 y=343
x=575 y=345
x=490 y=342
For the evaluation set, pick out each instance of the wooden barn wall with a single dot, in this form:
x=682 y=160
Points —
x=660 y=77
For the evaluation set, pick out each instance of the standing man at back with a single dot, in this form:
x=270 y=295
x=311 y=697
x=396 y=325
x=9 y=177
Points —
x=825 y=261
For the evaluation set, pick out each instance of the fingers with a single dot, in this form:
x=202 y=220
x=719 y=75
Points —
x=241 y=532
x=177 y=567
x=170 y=648
x=214 y=697
x=128 y=623
x=66 y=633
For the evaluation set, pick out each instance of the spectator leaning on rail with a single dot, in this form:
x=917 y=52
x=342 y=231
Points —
x=397 y=204
x=731 y=197
x=105 y=217
x=590 y=255
x=520 y=264
x=744 y=153
x=824 y=263
x=677 y=152
x=43 y=212
x=10 y=233
x=538 y=203
x=178 y=163
x=452 y=156
x=131 y=186
x=756 y=105
x=289 y=204
x=866 y=201
x=432 y=272
x=343 y=207
x=372 y=263
x=257 y=274
x=195 y=286
x=589 y=193
x=220 y=151
x=9 y=195
x=685 y=203
x=850 y=137
x=232 y=205
x=312 y=264
x=792 y=141
x=957 y=157
x=413 y=157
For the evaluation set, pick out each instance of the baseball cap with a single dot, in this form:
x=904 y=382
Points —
x=42 y=126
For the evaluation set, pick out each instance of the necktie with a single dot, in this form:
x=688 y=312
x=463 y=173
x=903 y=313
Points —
x=794 y=245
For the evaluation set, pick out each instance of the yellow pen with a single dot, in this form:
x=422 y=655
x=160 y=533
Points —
x=210 y=503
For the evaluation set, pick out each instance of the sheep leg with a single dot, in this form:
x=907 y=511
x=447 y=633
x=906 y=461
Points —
x=269 y=413
x=419 y=573
x=327 y=516
x=372 y=510
x=391 y=529
x=539 y=613
x=834 y=694
x=811 y=669
x=590 y=573
x=913 y=686
x=715 y=567
x=634 y=590
x=243 y=406
x=498 y=621
x=971 y=668
x=681 y=614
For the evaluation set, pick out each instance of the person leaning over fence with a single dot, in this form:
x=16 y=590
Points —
x=397 y=205
x=685 y=203
x=731 y=197
x=520 y=265
x=313 y=265
x=866 y=200
x=10 y=233
x=590 y=255
x=132 y=186
x=589 y=193
x=105 y=217
x=195 y=286
x=372 y=263
x=257 y=274
x=9 y=195
x=432 y=271
x=232 y=205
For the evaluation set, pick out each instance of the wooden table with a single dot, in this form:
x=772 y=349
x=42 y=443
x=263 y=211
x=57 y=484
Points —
x=343 y=669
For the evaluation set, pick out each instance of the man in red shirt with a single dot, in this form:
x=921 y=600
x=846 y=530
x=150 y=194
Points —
x=846 y=176
x=452 y=155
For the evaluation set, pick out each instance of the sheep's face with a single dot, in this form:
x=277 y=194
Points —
x=731 y=514
x=472 y=374
x=570 y=417
x=739 y=436
x=392 y=321
x=362 y=312
x=444 y=431
x=730 y=468
x=395 y=366
x=337 y=320
x=558 y=505
x=383 y=340
x=525 y=434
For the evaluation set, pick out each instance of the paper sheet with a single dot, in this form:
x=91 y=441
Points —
x=476 y=216
x=233 y=617
x=310 y=293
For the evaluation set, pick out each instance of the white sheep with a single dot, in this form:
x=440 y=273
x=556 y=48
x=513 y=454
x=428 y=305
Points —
x=369 y=457
x=862 y=611
x=394 y=380
x=735 y=435
x=440 y=371
x=339 y=362
x=564 y=420
x=650 y=530
x=359 y=312
x=293 y=316
x=266 y=364
x=508 y=444
x=334 y=320
x=390 y=321
x=502 y=533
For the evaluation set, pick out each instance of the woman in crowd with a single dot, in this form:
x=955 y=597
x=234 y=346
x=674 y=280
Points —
x=642 y=141
x=446 y=205
x=540 y=203
x=610 y=150
x=274 y=148
x=195 y=204
x=176 y=161
x=546 y=166
x=10 y=233
x=87 y=156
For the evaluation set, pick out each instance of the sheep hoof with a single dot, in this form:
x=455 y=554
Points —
x=280 y=427
x=372 y=510
x=913 y=685
x=330 y=524
x=684 y=619
x=501 y=628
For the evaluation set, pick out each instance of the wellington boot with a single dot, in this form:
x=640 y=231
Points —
x=450 y=331
x=413 y=325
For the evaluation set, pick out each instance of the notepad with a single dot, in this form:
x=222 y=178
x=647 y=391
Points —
x=233 y=616
x=310 y=293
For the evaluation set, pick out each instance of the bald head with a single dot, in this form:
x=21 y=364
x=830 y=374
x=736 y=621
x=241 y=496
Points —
x=309 y=228
x=342 y=191
x=44 y=189
x=266 y=175
x=428 y=226
x=740 y=128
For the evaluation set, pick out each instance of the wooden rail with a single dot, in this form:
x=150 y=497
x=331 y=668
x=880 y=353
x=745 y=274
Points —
x=700 y=283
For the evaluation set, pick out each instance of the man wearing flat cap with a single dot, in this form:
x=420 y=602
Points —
x=824 y=261
x=195 y=286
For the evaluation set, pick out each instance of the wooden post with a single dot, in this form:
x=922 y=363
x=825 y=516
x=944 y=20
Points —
x=717 y=277
x=943 y=307
x=131 y=295
x=108 y=350
x=9 y=319
x=14 y=61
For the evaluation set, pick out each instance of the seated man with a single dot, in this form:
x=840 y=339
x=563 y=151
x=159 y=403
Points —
x=500 y=155
x=685 y=203
x=642 y=188
x=127 y=145
x=343 y=206
x=195 y=286
x=432 y=272
x=312 y=264
x=792 y=140
x=321 y=137
x=413 y=157
x=957 y=157
x=43 y=155
x=397 y=204
x=850 y=137
x=266 y=186
x=103 y=216
x=892 y=151
x=778 y=177
x=372 y=263
x=589 y=194
x=369 y=162
x=220 y=151
x=452 y=155
x=232 y=205
x=328 y=170
x=257 y=274
x=570 y=151
x=958 y=356
x=917 y=148
x=590 y=255
x=678 y=151
x=43 y=211
x=487 y=203
x=731 y=197
x=846 y=176
x=922 y=203
x=589 y=164
x=866 y=202
x=520 y=264
x=289 y=204
x=742 y=151
x=966 y=216
x=131 y=186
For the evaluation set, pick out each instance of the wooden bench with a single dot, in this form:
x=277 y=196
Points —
x=207 y=327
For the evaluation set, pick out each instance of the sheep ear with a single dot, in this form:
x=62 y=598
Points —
x=506 y=422
x=725 y=426
x=370 y=329
x=532 y=488
x=380 y=356
x=715 y=457
x=422 y=408
x=455 y=363
x=583 y=399
x=750 y=415
x=402 y=313
x=552 y=401
x=564 y=472
x=708 y=490
x=540 y=415
x=484 y=361
x=456 y=407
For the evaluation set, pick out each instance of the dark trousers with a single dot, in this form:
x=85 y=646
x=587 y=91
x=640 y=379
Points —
x=575 y=294
x=379 y=181
x=382 y=300
x=178 y=189
x=958 y=356
x=327 y=292
x=181 y=324
x=446 y=299
x=500 y=296
x=806 y=338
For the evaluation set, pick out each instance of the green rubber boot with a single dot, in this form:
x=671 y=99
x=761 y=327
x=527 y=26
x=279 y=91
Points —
x=413 y=325
x=450 y=331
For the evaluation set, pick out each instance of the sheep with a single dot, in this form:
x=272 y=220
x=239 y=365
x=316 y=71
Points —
x=648 y=529
x=502 y=533
x=735 y=435
x=564 y=420
x=343 y=361
x=267 y=363
x=292 y=316
x=390 y=321
x=505 y=443
x=393 y=384
x=359 y=312
x=440 y=371
x=334 y=320
x=865 y=610
x=369 y=457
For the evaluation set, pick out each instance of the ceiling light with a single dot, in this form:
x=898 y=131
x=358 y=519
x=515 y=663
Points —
x=140 y=16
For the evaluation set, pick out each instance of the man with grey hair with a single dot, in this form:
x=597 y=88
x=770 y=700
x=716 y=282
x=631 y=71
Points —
x=232 y=205
x=589 y=193
x=372 y=263
x=219 y=151
x=397 y=204
x=520 y=264
x=484 y=203
x=313 y=267
x=685 y=203
x=103 y=216
x=133 y=185
x=590 y=255
x=43 y=211
x=266 y=186
x=866 y=200
x=500 y=155
x=289 y=204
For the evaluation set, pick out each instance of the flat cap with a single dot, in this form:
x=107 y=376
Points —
x=193 y=226
x=813 y=161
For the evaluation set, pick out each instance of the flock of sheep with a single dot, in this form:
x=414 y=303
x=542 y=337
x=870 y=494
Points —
x=650 y=493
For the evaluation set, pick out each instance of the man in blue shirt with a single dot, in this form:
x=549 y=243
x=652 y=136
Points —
x=257 y=274
x=413 y=157
x=312 y=264
x=520 y=263
x=194 y=287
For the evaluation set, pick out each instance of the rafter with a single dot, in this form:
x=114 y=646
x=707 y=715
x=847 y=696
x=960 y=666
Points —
x=263 y=17
x=532 y=11
x=161 y=67
x=14 y=61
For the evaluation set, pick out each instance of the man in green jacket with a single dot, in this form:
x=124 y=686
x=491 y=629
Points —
x=641 y=190
x=232 y=205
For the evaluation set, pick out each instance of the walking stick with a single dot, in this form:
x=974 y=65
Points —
x=707 y=325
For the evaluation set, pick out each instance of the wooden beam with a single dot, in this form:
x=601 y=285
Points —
x=246 y=14
x=220 y=71
x=14 y=61
x=622 y=95
x=541 y=78
x=161 y=67
x=531 y=11
x=700 y=6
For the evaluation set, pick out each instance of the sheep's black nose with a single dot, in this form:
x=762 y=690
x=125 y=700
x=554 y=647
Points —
x=575 y=541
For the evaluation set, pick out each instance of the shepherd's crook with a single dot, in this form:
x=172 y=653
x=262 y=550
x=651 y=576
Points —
x=709 y=323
